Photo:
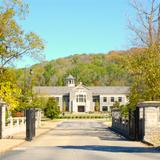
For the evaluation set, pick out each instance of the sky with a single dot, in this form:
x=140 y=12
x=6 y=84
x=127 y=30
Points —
x=78 y=26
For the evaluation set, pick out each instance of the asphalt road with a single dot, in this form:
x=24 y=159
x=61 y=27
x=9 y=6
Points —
x=82 y=140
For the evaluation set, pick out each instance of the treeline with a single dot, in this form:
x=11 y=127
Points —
x=92 y=70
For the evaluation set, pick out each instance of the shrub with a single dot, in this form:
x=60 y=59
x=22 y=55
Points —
x=97 y=106
x=64 y=106
x=60 y=117
x=52 y=109
x=116 y=105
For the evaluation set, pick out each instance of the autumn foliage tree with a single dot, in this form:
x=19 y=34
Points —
x=144 y=64
x=14 y=44
x=10 y=93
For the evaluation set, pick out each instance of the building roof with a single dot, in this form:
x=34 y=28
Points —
x=109 y=89
x=95 y=90
x=70 y=77
x=51 y=90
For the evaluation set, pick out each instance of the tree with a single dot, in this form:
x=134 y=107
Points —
x=9 y=75
x=146 y=26
x=10 y=93
x=143 y=63
x=52 y=109
x=39 y=102
x=116 y=105
x=14 y=42
x=144 y=66
x=124 y=111
x=35 y=102
x=48 y=73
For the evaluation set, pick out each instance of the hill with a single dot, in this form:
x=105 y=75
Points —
x=91 y=69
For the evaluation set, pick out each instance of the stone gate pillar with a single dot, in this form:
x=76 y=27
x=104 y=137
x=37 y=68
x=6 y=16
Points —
x=150 y=111
x=2 y=118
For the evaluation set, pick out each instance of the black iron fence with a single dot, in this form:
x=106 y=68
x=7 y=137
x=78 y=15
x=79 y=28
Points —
x=121 y=125
x=131 y=127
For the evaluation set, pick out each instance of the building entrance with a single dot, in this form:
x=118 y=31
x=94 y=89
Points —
x=81 y=108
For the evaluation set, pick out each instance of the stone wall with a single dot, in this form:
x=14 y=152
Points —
x=151 y=121
x=153 y=136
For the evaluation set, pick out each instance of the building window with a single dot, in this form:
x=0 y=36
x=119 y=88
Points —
x=105 y=108
x=81 y=98
x=95 y=98
x=112 y=99
x=104 y=99
x=119 y=99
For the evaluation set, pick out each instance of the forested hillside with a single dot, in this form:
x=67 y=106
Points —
x=92 y=70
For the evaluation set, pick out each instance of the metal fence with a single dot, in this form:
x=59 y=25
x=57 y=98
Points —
x=132 y=128
x=119 y=123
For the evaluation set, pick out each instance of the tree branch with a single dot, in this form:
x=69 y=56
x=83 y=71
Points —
x=14 y=56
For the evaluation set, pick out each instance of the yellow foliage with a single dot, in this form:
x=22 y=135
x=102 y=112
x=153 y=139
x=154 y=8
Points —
x=10 y=94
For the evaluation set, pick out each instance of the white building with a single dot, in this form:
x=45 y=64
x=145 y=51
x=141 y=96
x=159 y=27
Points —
x=81 y=98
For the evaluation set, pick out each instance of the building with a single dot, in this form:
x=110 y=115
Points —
x=82 y=98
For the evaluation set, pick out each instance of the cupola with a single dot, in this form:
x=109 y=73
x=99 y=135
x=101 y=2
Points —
x=70 y=81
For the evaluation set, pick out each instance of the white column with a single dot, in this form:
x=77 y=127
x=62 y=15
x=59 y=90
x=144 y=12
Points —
x=74 y=106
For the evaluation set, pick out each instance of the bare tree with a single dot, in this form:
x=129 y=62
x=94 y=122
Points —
x=146 y=26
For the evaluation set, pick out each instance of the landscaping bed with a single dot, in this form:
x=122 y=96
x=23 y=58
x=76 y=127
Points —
x=85 y=116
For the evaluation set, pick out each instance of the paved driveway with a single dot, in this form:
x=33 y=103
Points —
x=82 y=140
